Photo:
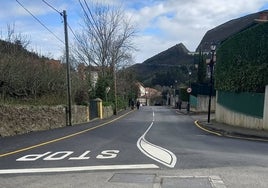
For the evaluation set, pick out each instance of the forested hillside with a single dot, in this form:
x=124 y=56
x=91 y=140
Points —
x=173 y=64
x=26 y=76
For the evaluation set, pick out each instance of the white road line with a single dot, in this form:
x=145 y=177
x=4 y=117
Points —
x=82 y=168
x=217 y=182
x=155 y=152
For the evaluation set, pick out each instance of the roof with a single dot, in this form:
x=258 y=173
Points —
x=224 y=31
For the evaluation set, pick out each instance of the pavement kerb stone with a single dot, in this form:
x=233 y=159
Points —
x=234 y=132
x=221 y=129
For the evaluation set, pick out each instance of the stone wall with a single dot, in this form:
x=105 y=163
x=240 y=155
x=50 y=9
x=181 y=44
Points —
x=107 y=111
x=24 y=119
x=16 y=120
x=80 y=114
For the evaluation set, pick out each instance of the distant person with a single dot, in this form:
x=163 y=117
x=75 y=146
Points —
x=132 y=104
x=179 y=104
x=138 y=104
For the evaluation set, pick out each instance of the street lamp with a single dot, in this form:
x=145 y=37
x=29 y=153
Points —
x=189 y=92
x=211 y=66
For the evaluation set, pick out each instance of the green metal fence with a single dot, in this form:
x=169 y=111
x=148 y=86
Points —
x=251 y=104
x=193 y=101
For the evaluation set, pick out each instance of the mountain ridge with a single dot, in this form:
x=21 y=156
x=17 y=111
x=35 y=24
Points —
x=177 y=50
x=174 y=57
x=178 y=55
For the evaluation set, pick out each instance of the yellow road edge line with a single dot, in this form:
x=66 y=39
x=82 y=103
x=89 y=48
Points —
x=62 y=138
x=206 y=130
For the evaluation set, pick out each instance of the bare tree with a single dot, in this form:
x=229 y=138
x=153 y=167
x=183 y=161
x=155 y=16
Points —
x=106 y=40
x=16 y=38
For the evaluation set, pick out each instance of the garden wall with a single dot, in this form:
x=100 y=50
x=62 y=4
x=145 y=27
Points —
x=247 y=110
x=16 y=120
x=200 y=103
x=23 y=119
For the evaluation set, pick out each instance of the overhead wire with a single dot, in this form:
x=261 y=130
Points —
x=52 y=7
x=39 y=21
x=72 y=31
x=75 y=36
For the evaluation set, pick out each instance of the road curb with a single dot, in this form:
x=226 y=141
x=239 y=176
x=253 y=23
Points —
x=229 y=134
x=200 y=126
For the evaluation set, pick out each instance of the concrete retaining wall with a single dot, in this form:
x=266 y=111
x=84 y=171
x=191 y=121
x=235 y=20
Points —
x=237 y=119
x=230 y=117
x=202 y=103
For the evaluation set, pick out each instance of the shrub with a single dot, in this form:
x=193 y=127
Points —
x=242 y=61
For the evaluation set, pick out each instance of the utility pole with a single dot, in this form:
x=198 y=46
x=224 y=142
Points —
x=69 y=108
x=115 y=88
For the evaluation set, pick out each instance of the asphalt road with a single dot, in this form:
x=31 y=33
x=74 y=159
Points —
x=150 y=147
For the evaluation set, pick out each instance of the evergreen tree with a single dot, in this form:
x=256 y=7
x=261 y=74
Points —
x=201 y=74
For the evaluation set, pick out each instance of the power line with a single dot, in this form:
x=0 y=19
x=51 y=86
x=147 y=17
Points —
x=39 y=21
x=61 y=13
x=75 y=36
x=52 y=7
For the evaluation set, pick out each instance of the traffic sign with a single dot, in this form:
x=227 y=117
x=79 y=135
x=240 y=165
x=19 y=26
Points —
x=189 y=90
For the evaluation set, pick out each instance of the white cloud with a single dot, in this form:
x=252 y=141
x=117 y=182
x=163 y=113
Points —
x=150 y=45
x=14 y=9
x=162 y=23
x=185 y=21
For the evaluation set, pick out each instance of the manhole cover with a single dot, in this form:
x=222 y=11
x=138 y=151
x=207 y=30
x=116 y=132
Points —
x=132 y=178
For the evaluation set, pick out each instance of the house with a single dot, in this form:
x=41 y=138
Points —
x=230 y=28
x=83 y=71
x=147 y=96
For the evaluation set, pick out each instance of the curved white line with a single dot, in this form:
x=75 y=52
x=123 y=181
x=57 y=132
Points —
x=155 y=152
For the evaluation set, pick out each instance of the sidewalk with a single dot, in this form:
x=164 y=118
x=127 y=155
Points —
x=226 y=130
x=233 y=131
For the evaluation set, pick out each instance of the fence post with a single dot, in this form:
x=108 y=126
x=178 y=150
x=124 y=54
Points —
x=87 y=114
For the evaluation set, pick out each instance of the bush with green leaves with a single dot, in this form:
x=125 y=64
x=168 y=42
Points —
x=242 y=61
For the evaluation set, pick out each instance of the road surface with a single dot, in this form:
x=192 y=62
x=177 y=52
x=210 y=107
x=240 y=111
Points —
x=149 y=147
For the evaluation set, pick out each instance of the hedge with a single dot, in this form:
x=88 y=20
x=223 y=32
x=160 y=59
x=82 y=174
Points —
x=242 y=61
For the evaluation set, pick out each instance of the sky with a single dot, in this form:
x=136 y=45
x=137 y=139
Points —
x=161 y=24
